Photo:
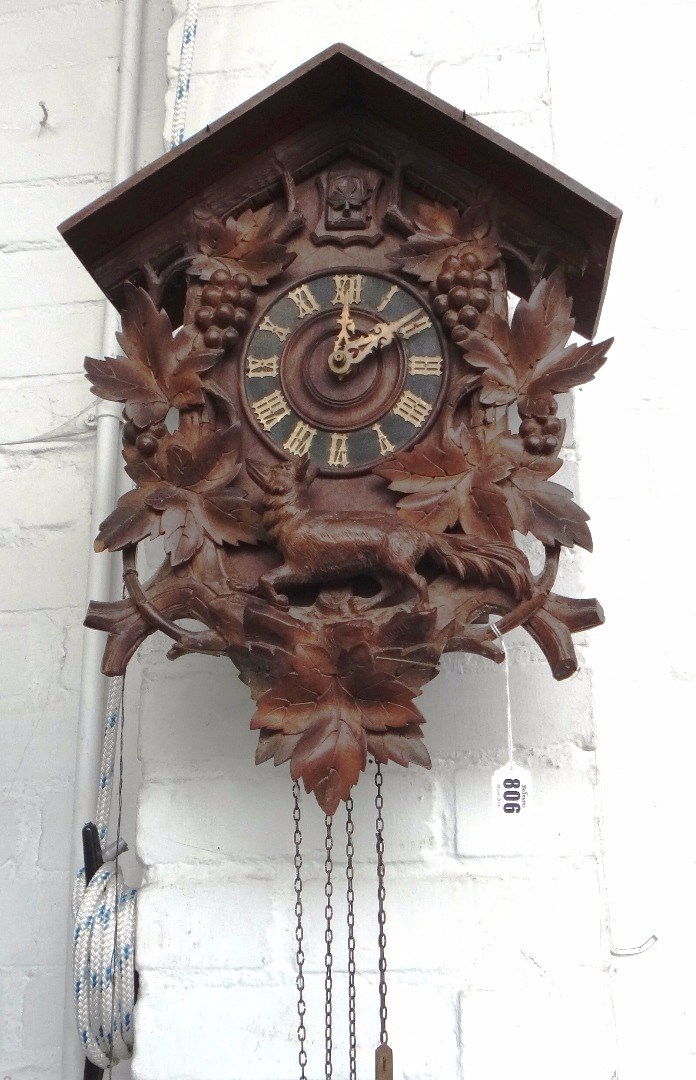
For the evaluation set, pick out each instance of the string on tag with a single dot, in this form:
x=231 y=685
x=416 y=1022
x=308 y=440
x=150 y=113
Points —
x=508 y=706
x=511 y=785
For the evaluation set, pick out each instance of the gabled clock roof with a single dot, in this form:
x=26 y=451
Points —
x=573 y=222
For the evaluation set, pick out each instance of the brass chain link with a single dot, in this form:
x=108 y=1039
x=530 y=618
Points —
x=381 y=914
x=328 y=956
x=350 y=899
x=299 y=935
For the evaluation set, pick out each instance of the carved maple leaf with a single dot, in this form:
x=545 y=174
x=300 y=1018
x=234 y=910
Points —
x=160 y=369
x=335 y=697
x=182 y=494
x=530 y=360
x=443 y=230
x=487 y=489
x=242 y=245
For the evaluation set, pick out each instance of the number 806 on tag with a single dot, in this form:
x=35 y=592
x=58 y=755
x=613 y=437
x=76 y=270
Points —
x=511 y=790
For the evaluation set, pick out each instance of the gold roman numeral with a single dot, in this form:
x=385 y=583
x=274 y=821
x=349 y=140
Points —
x=261 y=368
x=348 y=288
x=419 y=322
x=425 y=365
x=412 y=408
x=385 y=447
x=387 y=297
x=281 y=332
x=271 y=409
x=300 y=439
x=305 y=300
x=338 y=450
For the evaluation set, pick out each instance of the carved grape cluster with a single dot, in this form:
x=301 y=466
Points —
x=461 y=293
x=145 y=441
x=540 y=434
x=226 y=305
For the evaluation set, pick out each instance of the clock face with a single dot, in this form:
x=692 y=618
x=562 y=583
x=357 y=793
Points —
x=346 y=366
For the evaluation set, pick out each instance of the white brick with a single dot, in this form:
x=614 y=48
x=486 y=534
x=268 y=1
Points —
x=542 y=1027
x=33 y=211
x=72 y=331
x=452 y=34
x=44 y=569
x=37 y=406
x=467 y=713
x=12 y=986
x=177 y=734
x=38 y=744
x=210 y=926
x=20 y=829
x=62 y=278
x=502 y=81
x=214 y=819
x=78 y=139
x=42 y=1020
x=56 y=828
x=35 y=494
x=63 y=35
x=561 y=820
x=40 y=938
x=247 y=1032
x=36 y=642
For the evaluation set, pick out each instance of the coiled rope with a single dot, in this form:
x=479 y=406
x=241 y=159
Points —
x=104 y=910
x=104 y=934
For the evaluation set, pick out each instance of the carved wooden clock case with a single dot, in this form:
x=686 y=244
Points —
x=328 y=416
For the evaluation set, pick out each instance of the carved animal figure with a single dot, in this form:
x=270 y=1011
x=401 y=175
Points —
x=321 y=547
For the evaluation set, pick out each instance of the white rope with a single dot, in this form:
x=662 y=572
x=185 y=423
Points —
x=183 y=85
x=104 y=910
x=104 y=935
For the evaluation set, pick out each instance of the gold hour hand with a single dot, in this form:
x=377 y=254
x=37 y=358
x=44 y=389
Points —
x=354 y=352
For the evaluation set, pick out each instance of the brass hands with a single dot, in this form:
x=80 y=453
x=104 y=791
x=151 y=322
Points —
x=347 y=353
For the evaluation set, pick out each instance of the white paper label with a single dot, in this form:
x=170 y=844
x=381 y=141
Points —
x=512 y=790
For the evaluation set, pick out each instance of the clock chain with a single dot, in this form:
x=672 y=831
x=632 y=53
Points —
x=350 y=902
x=299 y=935
x=328 y=956
x=384 y=1069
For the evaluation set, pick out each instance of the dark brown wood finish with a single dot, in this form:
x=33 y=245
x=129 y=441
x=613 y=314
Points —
x=337 y=79
x=326 y=444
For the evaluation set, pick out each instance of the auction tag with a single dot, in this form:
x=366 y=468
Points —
x=511 y=790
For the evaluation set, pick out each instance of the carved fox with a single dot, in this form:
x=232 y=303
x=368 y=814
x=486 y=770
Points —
x=321 y=547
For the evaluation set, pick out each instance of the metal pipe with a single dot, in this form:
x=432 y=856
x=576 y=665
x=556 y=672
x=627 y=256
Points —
x=93 y=683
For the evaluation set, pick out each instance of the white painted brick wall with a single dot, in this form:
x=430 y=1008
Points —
x=65 y=54
x=498 y=948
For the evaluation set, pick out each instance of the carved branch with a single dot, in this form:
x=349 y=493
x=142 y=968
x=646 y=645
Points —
x=207 y=641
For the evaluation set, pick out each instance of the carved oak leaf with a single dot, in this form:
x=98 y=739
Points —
x=442 y=230
x=530 y=361
x=243 y=245
x=160 y=369
x=182 y=495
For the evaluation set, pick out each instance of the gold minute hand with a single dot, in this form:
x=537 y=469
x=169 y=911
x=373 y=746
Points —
x=355 y=351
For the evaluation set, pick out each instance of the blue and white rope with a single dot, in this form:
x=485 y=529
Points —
x=104 y=934
x=104 y=910
x=183 y=84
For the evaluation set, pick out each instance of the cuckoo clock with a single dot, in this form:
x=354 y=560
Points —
x=329 y=416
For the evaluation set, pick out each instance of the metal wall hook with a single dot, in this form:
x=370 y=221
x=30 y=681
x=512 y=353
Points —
x=636 y=950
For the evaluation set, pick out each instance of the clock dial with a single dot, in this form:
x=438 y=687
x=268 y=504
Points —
x=346 y=366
